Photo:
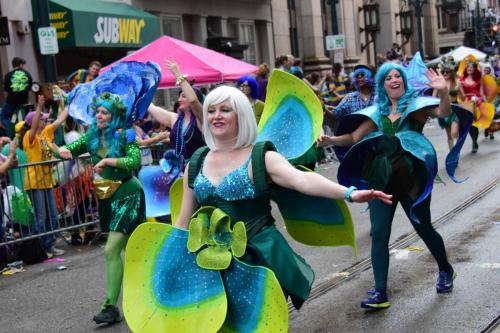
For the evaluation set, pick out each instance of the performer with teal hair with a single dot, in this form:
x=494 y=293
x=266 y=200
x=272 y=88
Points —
x=119 y=99
x=388 y=152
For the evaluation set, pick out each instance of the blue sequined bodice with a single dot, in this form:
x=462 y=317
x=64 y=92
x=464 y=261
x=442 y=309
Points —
x=236 y=185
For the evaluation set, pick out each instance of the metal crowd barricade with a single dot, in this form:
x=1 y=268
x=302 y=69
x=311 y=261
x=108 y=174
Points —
x=71 y=190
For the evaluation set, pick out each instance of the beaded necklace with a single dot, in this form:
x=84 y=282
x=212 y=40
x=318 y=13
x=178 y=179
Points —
x=180 y=134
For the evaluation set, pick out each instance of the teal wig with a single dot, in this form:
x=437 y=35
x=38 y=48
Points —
x=114 y=104
x=384 y=103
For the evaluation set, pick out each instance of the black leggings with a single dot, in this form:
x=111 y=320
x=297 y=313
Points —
x=381 y=216
x=474 y=134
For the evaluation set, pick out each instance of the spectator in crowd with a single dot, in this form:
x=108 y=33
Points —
x=17 y=84
x=5 y=163
x=297 y=69
x=145 y=141
x=285 y=62
x=249 y=86
x=37 y=143
x=85 y=75
x=363 y=80
x=262 y=76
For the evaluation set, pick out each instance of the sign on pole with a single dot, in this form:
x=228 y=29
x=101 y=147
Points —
x=335 y=42
x=47 y=38
x=4 y=31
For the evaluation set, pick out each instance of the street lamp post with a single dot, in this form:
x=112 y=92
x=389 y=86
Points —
x=418 y=4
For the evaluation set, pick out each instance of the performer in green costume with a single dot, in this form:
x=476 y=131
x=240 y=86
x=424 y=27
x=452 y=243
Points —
x=115 y=154
x=450 y=123
x=235 y=175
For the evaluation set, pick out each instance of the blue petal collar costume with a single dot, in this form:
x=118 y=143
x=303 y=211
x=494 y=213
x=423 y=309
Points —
x=352 y=159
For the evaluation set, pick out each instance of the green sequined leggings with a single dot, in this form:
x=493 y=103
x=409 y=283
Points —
x=381 y=216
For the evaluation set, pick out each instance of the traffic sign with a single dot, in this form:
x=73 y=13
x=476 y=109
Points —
x=47 y=38
x=335 y=42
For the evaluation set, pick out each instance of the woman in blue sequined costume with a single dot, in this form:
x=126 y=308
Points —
x=236 y=176
x=388 y=152
x=116 y=155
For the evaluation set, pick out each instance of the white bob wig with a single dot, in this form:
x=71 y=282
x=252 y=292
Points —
x=247 y=126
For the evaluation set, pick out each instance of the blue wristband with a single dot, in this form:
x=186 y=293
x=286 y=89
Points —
x=347 y=195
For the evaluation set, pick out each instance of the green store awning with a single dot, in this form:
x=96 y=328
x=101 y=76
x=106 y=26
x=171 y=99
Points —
x=93 y=23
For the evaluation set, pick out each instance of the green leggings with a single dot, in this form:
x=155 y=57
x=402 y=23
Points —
x=381 y=216
x=114 y=265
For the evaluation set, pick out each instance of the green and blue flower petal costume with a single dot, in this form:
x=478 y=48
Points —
x=233 y=270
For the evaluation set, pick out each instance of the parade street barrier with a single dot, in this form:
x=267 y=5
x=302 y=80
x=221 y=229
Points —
x=32 y=206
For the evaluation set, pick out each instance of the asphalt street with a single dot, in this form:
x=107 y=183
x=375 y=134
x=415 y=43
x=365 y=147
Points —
x=44 y=299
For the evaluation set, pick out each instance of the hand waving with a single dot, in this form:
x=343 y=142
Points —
x=369 y=195
x=437 y=80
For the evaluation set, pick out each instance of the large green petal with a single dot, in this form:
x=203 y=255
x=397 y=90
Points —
x=256 y=302
x=164 y=290
x=198 y=234
x=239 y=239
x=220 y=229
x=214 y=258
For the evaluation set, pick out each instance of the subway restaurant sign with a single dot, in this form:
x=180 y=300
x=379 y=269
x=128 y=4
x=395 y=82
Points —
x=94 y=23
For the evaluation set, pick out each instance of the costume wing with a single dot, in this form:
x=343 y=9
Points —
x=483 y=113
x=256 y=302
x=490 y=88
x=164 y=290
x=157 y=181
x=315 y=221
x=133 y=81
x=292 y=116
x=415 y=71
x=175 y=199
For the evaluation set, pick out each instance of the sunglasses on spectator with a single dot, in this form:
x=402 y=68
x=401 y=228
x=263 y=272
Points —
x=360 y=76
x=446 y=71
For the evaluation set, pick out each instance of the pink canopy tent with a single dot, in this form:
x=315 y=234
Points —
x=200 y=64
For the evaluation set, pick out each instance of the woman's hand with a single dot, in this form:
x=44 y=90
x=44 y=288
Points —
x=65 y=153
x=369 y=195
x=12 y=150
x=324 y=140
x=437 y=81
x=99 y=167
x=4 y=140
x=41 y=101
x=173 y=67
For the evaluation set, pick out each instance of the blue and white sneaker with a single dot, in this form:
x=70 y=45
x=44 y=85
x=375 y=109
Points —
x=445 y=281
x=377 y=299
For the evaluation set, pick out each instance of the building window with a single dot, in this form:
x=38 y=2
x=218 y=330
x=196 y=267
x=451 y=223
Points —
x=294 y=40
x=172 y=26
x=247 y=37
x=441 y=18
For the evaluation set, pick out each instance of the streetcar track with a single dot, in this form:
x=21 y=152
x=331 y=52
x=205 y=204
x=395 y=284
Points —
x=365 y=264
x=491 y=326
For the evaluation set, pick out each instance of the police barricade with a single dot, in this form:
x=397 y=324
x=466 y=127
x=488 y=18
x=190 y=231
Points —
x=45 y=198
